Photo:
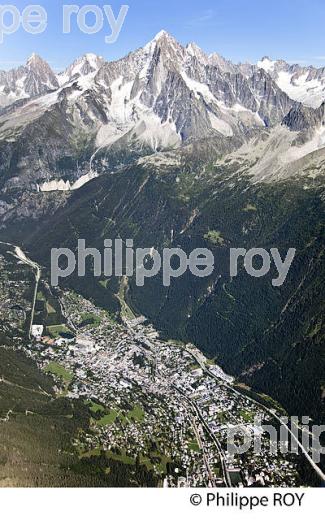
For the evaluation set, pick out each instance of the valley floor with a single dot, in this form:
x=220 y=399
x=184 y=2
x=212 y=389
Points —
x=158 y=408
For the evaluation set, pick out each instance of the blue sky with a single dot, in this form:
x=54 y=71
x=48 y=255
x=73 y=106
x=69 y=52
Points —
x=240 y=30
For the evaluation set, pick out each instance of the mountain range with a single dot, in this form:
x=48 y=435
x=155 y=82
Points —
x=158 y=98
x=172 y=147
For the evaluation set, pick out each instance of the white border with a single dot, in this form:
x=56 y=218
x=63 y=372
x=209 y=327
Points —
x=88 y=504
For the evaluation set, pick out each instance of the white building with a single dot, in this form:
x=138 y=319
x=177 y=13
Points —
x=37 y=331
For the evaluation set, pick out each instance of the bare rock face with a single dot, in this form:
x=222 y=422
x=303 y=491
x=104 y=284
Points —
x=302 y=118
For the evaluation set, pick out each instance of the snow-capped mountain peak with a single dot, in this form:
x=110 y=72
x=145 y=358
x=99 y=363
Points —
x=266 y=63
x=162 y=34
x=194 y=50
x=35 y=61
x=87 y=64
x=27 y=81
x=301 y=83
x=164 y=40
x=43 y=74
